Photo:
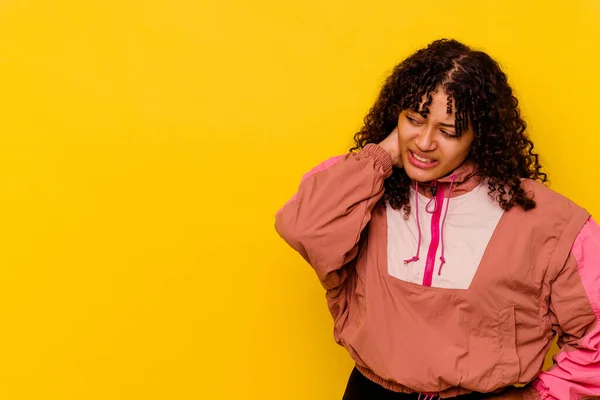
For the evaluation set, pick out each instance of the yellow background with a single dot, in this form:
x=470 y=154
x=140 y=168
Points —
x=146 y=145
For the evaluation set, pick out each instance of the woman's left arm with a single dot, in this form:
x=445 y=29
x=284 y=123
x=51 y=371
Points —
x=575 y=314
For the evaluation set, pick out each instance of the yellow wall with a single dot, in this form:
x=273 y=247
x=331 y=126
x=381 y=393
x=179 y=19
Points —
x=146 y=145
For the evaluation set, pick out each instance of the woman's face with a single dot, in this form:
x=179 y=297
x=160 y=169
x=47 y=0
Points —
x=429 y=146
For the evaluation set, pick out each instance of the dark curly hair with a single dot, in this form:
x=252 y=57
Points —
x=501 y=149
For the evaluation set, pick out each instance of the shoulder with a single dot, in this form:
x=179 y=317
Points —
x=548 y=199
x=553 y=210
x=556 y=220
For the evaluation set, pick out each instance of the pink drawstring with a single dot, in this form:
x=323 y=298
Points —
x=416 y=256
x=442 y=258
x=432 y=200
x=427 y=208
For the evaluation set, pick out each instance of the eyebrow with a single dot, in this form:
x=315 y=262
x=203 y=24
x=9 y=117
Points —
x=441 y=123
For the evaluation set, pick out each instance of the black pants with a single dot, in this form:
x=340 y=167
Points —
x=361 y=388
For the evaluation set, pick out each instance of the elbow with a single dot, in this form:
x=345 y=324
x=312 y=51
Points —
x=289 y=232
x=282 y=227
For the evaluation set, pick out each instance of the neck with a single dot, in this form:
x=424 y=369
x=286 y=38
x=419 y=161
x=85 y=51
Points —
x=465 y=179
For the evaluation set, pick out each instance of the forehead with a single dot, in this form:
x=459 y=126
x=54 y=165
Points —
x=441 y=105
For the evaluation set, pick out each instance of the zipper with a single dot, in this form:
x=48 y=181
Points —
x=438 y=192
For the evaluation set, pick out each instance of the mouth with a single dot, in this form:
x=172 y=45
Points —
x=421 y=162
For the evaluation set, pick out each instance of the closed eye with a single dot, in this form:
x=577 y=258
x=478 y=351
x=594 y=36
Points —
x=413 y=121
x=448 y=134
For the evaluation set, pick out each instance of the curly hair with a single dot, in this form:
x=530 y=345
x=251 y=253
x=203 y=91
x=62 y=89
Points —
x=501 y=149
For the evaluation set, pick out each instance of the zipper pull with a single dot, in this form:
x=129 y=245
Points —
x=433 y=189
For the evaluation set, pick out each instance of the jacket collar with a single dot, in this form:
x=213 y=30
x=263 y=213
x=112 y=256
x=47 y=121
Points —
x=466 y=178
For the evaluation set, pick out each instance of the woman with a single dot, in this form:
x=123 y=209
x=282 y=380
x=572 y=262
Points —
x=448 y=265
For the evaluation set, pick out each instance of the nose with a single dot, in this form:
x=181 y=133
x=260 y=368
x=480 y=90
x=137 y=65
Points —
x=425 y=141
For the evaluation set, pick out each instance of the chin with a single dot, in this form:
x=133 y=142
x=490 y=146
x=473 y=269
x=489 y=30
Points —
x=419 y=175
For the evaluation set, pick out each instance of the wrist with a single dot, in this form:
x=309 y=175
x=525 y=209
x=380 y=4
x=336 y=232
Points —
x=393 y=153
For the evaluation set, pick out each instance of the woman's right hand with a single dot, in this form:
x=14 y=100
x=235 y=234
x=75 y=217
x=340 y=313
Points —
x=391 y=144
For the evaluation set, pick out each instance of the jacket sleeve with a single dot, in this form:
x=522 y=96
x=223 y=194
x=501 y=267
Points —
x=575 y=314
x=324 y=220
